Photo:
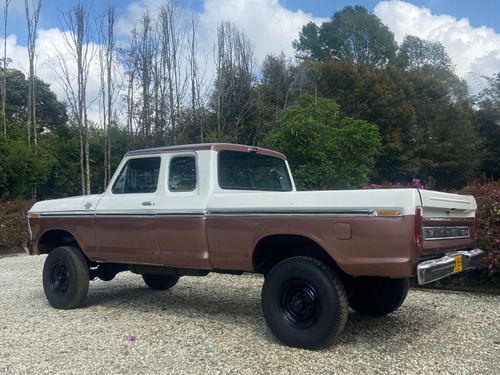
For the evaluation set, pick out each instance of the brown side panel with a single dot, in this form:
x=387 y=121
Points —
x=375 y=246
x=127 y=239
x=183 y=242
x=80 y=226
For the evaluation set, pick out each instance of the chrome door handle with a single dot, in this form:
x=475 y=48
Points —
x=146 y=203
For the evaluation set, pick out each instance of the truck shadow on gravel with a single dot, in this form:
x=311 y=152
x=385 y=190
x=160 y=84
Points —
x=237 y=307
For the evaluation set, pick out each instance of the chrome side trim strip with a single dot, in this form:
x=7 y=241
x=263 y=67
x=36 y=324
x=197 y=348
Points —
x=66 y=213
x=357 y=212
x=331 y=213
x=126 y=213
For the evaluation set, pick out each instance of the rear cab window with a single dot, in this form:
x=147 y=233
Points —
x=252 y=171
x=182 y=174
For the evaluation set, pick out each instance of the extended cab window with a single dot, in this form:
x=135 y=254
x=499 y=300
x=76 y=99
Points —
x=138 y=176
x=182 y=174
x=251 y=171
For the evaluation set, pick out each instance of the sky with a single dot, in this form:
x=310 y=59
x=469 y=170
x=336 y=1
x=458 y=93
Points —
x=469 y=30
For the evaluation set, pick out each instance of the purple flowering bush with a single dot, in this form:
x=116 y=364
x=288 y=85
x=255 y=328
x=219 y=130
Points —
x=487 y=194
x=13 y=223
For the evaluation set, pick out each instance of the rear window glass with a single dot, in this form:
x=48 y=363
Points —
x=182 y=174
x=251 y=171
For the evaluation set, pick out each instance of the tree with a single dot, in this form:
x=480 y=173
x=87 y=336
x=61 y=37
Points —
x=80 y=52
x=431 y=59
x=233 y=99
x=51 y=113
x=487 y=120
x=171 y=33
x=352 y=34
x=4 y=70
x=32 y=23
x=108 y=89
x=325 y=150
x=422 y=126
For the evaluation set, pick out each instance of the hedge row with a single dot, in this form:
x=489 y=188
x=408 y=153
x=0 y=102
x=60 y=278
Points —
x=14 y=224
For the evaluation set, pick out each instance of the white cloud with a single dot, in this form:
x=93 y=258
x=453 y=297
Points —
x=473 y=50
x=271 y=27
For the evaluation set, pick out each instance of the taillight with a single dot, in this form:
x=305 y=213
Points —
x=418 y=226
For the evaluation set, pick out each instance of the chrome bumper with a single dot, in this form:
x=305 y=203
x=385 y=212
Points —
x=435 y=269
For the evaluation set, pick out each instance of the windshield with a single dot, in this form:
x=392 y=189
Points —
x=251 y=171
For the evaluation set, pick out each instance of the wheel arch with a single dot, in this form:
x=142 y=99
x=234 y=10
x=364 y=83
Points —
x=273 y=249
x=55 y=238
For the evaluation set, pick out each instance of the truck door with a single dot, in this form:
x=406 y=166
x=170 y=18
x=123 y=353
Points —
x=125 y=217
x=181 y=216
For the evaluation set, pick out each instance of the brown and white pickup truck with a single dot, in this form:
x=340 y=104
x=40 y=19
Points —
x=194 y=209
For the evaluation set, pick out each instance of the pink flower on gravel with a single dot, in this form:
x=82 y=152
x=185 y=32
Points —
x=131 y=339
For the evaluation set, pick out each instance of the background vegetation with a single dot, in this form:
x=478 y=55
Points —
x=352 y=108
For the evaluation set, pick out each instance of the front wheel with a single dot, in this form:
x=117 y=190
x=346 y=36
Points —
x=304 y=302
x=377 y=296
x=66 y=278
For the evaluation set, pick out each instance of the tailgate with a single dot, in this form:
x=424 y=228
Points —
x=448 y=222
x=446 y=203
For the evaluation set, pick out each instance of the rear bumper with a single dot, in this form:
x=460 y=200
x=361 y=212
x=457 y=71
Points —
x=452 y=262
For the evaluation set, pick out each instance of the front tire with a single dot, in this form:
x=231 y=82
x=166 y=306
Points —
x=304 y=303
x=66 y=278
x=160 y=282
x=377 y=296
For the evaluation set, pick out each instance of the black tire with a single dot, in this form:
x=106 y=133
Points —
x=304 y=303
x=160 y=282
x=377 y=296
x=66 y=278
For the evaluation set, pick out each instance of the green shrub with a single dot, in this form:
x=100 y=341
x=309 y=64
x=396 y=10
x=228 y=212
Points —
x=14 y=223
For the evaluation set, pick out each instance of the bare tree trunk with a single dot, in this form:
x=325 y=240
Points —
x=78 y=46
x=103 y=102
x=109 y=68
x=145 y=50
x=172 y=32
x=32 y=24
x=4 y=71
x=106 y=51
x=196 y=101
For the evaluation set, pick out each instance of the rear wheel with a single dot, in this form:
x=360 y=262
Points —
x=377 y=296
x=304 y=302
x=160 y=282
x=66 y=278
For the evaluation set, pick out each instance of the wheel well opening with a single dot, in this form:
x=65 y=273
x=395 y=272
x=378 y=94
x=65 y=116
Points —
x=56 y=238
x=273 y=249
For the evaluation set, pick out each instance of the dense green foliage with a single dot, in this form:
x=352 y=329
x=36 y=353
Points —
x=324 y=150
x=351 y=34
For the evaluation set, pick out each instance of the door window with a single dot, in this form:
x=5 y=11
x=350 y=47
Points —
x=138 y=176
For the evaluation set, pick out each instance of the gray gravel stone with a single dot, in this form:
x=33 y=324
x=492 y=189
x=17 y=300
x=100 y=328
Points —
x=214 y=325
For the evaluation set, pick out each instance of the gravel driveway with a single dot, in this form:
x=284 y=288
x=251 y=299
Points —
x=214 y=325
